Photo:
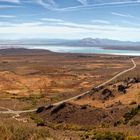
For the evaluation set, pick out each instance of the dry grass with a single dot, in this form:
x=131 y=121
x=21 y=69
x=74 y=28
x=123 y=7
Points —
x=60 y=73
x=36 y=80
x=19 y=131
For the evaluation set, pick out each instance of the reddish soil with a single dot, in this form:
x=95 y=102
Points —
x=84 y=115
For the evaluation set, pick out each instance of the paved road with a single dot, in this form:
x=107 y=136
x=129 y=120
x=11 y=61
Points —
x=9 y=111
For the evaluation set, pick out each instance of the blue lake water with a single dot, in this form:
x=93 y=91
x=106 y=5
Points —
x=68 y=49
x=94 y=50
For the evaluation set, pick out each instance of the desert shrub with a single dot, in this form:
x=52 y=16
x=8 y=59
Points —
x=93 y=135
x=136 y=79
x=57 y=108
x=36 y=118
x=105 y=125
x=117 y=123
x=108 y=136
x=85 y=106
x=133 y=138
x=40 y=109
x=11 y=131
x=129 y=115
x=4 y=62
x=96 y=89
x=64 y=126
x=135 y=123
x=121 y=88
x=133 y=103
x=106 y=93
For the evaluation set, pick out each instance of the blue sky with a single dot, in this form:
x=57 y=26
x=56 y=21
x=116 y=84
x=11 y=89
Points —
x=70 y=19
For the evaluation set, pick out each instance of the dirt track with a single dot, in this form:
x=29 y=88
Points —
x=9 y=111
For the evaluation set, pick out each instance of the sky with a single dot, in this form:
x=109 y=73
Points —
x=70 y=19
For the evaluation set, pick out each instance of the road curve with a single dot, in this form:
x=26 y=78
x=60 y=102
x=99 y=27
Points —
x=9 y=111
x=103 y=84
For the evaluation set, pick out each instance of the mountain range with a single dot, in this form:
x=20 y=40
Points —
x=85 y=42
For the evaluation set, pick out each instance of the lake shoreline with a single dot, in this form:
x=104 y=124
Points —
x=80 y=50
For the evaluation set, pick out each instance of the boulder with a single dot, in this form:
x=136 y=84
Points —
x=40 y=109
x=122 y=88
x=106 y=93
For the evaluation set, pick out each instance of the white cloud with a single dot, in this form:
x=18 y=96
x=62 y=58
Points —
x=25 y=24
x=122 y=15
x=99 y=21
x=126 y=16
x=130 y=23
x=88 y=27
x=83 y=2
x=86 y=4
x=95 y=5
x=8 y=6
x=28 y=24
x=69 y=30
x=7 y=16
x=52 y=19
x=11 y=1
x=49 y=4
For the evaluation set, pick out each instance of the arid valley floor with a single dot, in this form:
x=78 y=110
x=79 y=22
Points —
x=36 y=79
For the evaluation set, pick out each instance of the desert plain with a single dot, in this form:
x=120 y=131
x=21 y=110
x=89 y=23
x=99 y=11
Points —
x=36 y=79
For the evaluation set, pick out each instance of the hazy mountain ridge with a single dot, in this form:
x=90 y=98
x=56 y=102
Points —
x=102 y=42
x=85 y=42
x=20 y=51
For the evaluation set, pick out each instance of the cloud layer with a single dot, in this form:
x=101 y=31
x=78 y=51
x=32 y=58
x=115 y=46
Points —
x=71 y=19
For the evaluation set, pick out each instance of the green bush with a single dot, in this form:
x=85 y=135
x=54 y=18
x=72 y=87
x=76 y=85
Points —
x=36 y=118
x=108 y=136
x=12 y=131
x=135 y=123
x=96 y=135
x=129 y=115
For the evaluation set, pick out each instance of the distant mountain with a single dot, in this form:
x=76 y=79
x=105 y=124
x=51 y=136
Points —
x=23 y=51
x=85 y=42
x=31 y=41
x=90 y=42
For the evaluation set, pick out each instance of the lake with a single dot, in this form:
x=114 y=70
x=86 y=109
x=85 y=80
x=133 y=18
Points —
x=68 y=49
x=94 y=50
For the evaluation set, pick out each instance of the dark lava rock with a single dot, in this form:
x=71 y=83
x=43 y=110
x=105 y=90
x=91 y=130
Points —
x=57 y=108
x=41 y=124
x=49 y=107
x=40 y=109
x=106 y=93
x=122 y=88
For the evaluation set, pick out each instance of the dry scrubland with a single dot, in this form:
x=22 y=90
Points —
x=32 y=80
x=55 y=76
